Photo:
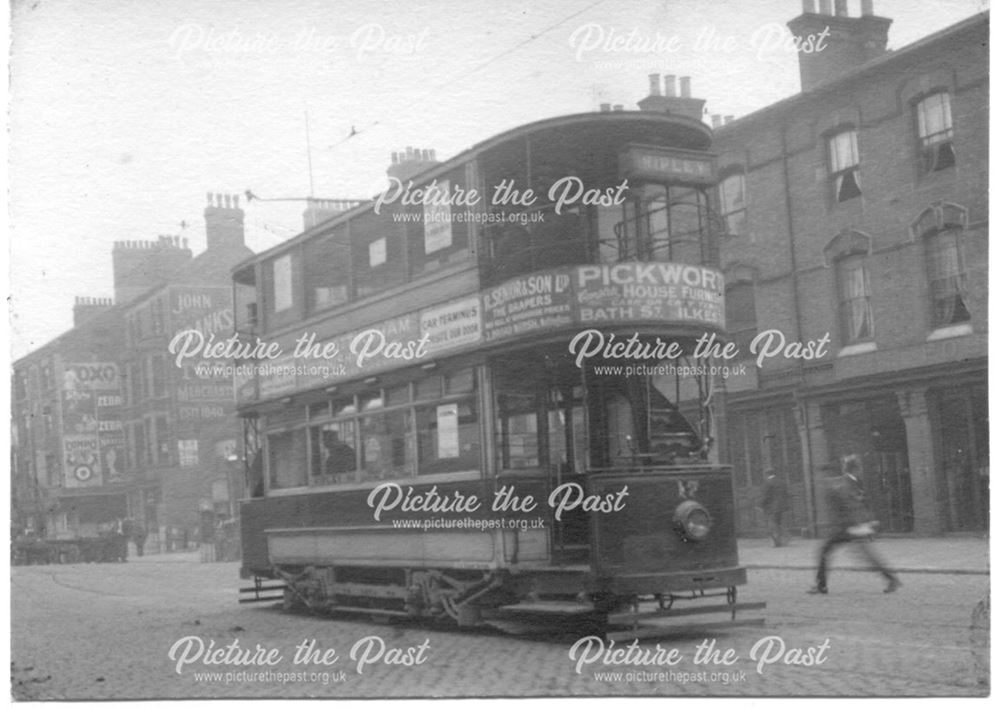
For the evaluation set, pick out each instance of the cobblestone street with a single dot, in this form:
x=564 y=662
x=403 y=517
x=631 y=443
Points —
x=104 y=632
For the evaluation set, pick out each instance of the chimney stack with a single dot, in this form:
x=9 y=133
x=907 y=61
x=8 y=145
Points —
x=319 y=210
x=224 y=222
x=86 y=307
x=413 y=161
x=654 y=84
x=141 y=265
x=670 y=102
x=845 y=42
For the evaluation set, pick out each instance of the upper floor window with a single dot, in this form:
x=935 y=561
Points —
x=934 y=129
x=741 y=315
x=733 y=203
x=856 y=319
x=941 y=227
x=947 y=277
x=843 y=148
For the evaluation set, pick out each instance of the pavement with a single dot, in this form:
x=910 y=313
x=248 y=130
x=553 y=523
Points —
x=956 y=555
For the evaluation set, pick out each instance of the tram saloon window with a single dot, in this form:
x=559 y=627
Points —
x=385 y=449
x=448 y=437
x=287 y=459
x=327 y=266
x=333 y=452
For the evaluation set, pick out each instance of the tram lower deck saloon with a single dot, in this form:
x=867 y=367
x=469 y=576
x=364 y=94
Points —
x=512 y=408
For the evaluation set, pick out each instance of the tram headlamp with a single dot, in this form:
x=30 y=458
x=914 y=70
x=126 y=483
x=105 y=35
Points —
x=692 y=520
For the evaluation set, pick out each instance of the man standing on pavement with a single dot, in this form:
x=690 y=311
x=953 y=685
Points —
x=851 y=522
x=774 y=502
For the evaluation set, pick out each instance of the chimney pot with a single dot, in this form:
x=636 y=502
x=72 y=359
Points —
x=433 y=154
x=841 y=7
x=867 y=8
x=184 y=242
x=670 y=85
x=685 y=87
x=654 y=84
x=409 y=152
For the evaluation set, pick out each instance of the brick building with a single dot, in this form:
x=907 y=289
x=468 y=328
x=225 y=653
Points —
x=857 y=211
x=104 y=425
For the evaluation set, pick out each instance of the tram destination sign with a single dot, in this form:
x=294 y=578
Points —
x=653 y=163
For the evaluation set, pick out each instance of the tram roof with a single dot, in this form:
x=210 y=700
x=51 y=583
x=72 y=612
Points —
x=618 y=127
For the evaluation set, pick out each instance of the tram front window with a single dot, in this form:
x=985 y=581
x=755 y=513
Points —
x=635 y=420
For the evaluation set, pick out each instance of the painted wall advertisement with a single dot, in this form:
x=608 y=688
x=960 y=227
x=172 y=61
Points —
x=93 y=439
x=203 y=388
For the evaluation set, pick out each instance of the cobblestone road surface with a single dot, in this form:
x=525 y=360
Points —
x=104 y=632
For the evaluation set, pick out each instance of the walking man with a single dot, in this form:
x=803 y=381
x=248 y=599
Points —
x=774 y=502
x=852 y=524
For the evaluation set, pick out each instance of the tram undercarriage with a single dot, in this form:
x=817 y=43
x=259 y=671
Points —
x=548 y=598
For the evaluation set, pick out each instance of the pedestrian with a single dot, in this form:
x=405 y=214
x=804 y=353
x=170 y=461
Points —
x=852 y=524
x=774 y=502
x=122 y=533
x=139 y=535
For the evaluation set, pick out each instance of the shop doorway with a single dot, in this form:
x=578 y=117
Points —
x=963 y=442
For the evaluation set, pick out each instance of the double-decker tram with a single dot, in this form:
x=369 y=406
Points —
x=488 y=401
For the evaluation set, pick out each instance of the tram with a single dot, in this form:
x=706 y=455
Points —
x=489 y=398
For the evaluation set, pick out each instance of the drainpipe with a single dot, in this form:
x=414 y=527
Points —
x=797 y=310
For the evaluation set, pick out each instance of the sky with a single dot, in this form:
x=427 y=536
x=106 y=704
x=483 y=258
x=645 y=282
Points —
x=125 y=113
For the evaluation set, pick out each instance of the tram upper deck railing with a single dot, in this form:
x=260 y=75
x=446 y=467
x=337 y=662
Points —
x=683 y=230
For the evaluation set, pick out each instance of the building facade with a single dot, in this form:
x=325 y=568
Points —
x=105 y=426
x=857 y=218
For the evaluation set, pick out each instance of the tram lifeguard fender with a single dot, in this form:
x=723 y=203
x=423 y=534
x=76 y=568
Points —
x=651 y=274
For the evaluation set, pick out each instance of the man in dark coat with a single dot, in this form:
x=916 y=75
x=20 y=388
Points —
x=774 y=502
x=852 y=523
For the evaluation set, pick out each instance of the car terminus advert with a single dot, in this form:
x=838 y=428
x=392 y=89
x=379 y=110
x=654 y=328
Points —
x=499 y=350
